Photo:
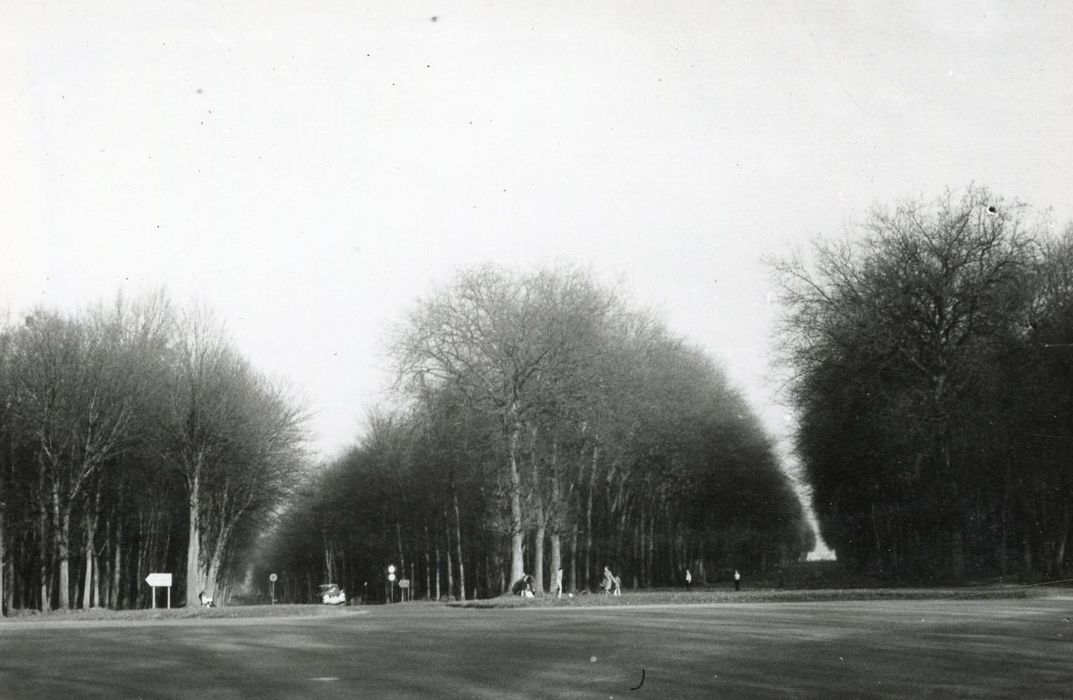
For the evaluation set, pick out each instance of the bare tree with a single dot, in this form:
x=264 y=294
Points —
x=235 y=439
x=68 y=396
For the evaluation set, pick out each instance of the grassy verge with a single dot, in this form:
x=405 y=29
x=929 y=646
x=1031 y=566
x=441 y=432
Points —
x=772 y=595
x=628 y=598
x=183 y=613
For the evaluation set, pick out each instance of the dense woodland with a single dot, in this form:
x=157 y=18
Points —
x=134 y=439
x=542 y=424
x=933 y=359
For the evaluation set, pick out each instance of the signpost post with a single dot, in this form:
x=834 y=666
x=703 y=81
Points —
x=155 y=580
x=272 y=584
x=404 y=589
x=391 y=583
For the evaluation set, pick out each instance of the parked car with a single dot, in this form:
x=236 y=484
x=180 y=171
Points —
x=331 y=594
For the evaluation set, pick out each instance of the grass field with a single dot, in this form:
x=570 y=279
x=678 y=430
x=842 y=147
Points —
x=763 y=595
x=983 y=647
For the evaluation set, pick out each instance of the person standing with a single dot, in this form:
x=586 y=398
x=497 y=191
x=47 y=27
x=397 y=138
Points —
x=608 y=582
x=737 y=580
x=559 y=583
x=689 y=581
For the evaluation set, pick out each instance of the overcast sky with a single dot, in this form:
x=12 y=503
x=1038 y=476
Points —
x=309 y=168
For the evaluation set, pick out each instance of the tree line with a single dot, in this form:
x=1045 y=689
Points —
x=541 y=423
x=933 y=373
x=134 y=438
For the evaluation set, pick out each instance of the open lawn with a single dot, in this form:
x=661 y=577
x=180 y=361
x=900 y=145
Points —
x=949 y=647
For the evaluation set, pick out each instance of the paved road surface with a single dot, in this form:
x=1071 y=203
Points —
x=940 y=649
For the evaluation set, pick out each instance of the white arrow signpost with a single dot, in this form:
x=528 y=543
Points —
x=155 y=580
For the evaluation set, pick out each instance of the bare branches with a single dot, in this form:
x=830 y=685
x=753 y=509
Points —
x=113 y=410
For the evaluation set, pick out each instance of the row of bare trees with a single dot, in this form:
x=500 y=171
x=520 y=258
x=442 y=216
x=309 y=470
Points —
x=544 y=425
x=934 y=377
x=133 y=438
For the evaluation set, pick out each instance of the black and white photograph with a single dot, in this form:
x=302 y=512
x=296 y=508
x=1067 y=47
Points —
x=481 y=349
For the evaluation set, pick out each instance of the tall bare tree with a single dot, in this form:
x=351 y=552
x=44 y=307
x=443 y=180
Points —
x=68 y=396
x=491 y=337
x=235 y=438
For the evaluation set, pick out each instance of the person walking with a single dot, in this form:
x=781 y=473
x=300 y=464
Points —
x=559 y=583
x=737 y=580
x=689 y=581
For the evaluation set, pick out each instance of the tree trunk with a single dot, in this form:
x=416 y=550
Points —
x=554 y=516
x=137 y=593
x=87 y=583
x=62 y=526
x=398 y=543
x=42 y=568
x=1031 y=520
x=957 y=555
x=3 y=560
x=458 y=544
x=1058 y=560
x=651 y=549
x=194 y=583
x=211 y=575
x=117 y=566
x=447 y=552
x=556 y=562
x=95 y=602
x=102 y=568
x=573 y=558
x=428 y=566
x=541 y=529
x=588 y=518
x=517 y=533
x=538 y=560
x=637 y=548
x=7 y=601
x=1003 y=565
x=60 y=548
x=642 y=548
x=42 y=543
x=329 y=559
x=165 y=551
x=439 y=594
x=877 y=538
x=621 y=550
x=450 y=573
